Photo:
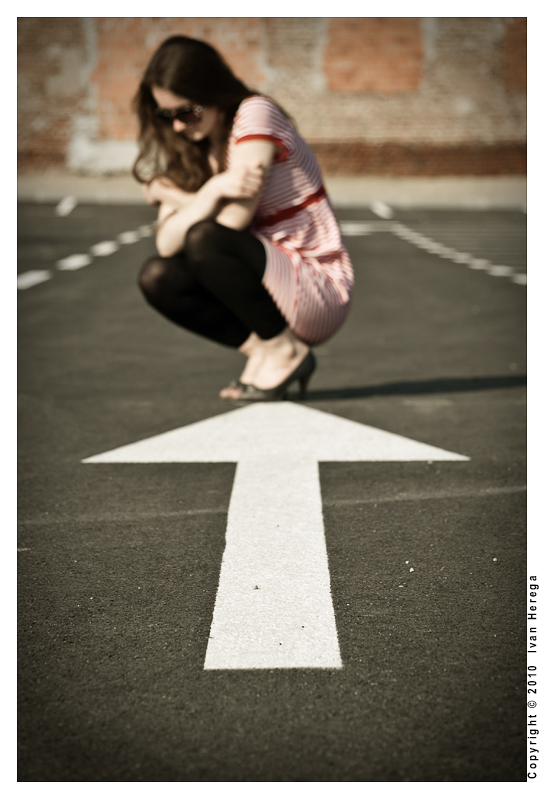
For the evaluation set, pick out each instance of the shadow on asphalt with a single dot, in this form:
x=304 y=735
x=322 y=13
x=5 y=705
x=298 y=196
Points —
x=434 y=386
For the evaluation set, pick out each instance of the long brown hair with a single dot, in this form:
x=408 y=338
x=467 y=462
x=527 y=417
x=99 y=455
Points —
x=194 y=70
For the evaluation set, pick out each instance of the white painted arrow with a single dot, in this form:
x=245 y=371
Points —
x=273 y=607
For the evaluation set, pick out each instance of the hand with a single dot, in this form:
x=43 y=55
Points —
x=240 y=182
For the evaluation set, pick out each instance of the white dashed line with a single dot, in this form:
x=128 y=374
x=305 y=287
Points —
x=66 y=206
x=104 y=248
x=501 y=272
x=355 y=229
x=349 y=228
x=34 y=276
x=431 y=246
x=77 y=261
x=443 y=252
x=479 y=263
x=146 y=230
x=381 y=209
x=129 y=237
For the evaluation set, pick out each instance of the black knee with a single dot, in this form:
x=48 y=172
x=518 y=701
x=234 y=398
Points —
x=152 y=276
x=203 y=239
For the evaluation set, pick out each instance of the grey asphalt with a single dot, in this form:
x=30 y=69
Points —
x=119 y=563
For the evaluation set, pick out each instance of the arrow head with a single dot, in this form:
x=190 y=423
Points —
x=275 y=431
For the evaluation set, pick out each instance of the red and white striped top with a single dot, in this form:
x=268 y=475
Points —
x=308 y=274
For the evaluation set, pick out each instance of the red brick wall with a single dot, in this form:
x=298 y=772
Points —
x=389 y=95
x=51 y=52
x=381 y=55
x=124 y=46
x=359 y=158
x=513 y=56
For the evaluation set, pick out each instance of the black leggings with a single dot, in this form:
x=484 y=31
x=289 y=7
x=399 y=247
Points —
x=214 y=286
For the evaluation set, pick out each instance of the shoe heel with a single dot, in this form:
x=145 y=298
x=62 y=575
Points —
x=303 y=383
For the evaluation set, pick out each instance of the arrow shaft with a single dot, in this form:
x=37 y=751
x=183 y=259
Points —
x=275 y=534
x=275 y=541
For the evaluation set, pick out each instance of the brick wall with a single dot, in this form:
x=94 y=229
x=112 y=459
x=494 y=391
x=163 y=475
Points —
x=378 y=55
x=391 y=96
x=53 y=65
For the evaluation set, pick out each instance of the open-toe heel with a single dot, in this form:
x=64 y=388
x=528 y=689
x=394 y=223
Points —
x=302 y=374
x=234 y=384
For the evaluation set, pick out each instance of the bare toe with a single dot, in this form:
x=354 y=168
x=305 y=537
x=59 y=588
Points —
x=232 y=391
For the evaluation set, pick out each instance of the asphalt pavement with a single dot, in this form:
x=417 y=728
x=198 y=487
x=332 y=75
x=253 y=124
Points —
x=119 y=563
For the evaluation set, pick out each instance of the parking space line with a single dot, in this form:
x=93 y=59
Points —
x=104 y=248
x=382 y=209
x=78 y=260
x=348 y=228
x=425 y=243
x=354 y=228
x=66 y=206
x=33 y=277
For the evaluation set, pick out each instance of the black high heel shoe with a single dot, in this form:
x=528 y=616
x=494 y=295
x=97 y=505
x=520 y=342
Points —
x=302 y=373
x=234 y=384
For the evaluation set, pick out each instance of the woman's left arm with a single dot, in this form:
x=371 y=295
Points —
x=163 y=190
x=238 y=214
x=230 y=197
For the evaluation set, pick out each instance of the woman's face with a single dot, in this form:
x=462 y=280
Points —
x=207 y=124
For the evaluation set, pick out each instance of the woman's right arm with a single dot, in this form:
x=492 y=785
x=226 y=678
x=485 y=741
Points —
x=163 y=190
x=174 y=222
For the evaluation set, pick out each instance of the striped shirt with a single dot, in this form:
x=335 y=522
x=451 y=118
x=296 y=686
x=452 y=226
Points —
x=308 y=273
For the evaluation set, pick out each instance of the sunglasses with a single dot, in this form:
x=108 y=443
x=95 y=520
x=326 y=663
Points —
x=186 y=114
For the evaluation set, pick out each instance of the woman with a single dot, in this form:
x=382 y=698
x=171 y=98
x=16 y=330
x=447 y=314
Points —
x=250 y=252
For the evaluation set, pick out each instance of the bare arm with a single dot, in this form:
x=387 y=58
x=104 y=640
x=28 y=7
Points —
x=231 y=197
x=173 y=223
x=239 y=213
x=163 y=190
